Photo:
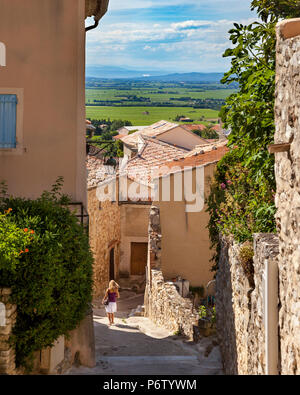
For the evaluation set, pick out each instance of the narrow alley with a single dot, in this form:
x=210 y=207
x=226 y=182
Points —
x=135 y=346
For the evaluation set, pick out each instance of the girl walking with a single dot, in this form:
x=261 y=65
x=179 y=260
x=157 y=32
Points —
x=112 y=293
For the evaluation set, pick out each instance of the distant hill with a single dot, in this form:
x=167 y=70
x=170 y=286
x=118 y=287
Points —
x=111 y=72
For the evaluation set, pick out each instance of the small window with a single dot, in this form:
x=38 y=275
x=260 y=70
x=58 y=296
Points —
x=8 y=121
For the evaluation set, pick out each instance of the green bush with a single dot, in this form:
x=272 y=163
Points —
x=13 y=242
x=52 y=283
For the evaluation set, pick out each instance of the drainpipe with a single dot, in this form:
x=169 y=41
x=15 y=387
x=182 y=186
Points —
x=92 y=26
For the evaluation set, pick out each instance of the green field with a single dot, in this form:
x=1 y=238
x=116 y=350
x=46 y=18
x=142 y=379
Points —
x=156 y=95
x=137 y=118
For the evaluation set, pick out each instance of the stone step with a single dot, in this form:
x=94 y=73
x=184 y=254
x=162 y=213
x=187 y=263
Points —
x=138 y=312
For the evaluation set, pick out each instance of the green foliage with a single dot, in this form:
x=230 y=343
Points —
x=178 y=117
x=242 y=198
x=110 y=149
x=207 y=133
x=246 y=255
x=279 y=8
x=202 y=312
x=52 y=283
x=14 y=242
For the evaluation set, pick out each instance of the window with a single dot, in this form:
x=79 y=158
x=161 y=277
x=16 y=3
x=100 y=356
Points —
x=8 y=121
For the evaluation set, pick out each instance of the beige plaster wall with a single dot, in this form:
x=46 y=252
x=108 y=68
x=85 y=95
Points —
x=181 y=137
x=134 y=229
x=45 y=60
x=185 y=238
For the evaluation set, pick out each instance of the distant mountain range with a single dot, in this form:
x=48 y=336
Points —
x=111 y=72
x=107 y=72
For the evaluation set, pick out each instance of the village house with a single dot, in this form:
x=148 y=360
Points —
x=42 y=116
x=90 y=129
x=164 y=131
x=119 y=225
x=186 y=248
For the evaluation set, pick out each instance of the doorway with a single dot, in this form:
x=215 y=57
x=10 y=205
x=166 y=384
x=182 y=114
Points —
x=139 y=252
x=112 y=264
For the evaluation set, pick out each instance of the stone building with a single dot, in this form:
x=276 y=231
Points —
x=119 y=225
x=179 y=245
x=167 y=132
x=259 y=318
x=42 y=111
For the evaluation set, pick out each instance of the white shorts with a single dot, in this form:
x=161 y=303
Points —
x=111 y=307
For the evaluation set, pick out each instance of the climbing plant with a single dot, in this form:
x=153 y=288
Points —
x=242 y=196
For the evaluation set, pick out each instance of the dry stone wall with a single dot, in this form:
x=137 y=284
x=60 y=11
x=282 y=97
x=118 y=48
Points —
x=8 y=315
x=287 y=170
x=169 y=309
x=232 y=313
x=240 y=308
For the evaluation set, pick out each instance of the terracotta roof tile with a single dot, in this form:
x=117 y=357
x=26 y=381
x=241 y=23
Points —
x=119 y=136
x=153 y=130
x=212 y=154
x=153 y=155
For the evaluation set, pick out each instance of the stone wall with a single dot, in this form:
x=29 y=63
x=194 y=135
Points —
x=163 y=303
x=287 y=170
x=232 y=313
x=240 y=308
x=105 y=234
x=8 y=315
x=168 y=309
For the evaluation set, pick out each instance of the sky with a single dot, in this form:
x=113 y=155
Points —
x=166 y=35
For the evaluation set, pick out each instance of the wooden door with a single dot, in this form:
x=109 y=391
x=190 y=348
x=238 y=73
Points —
x=139 y=253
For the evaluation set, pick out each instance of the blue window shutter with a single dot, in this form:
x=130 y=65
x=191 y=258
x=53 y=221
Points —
x=8 y=121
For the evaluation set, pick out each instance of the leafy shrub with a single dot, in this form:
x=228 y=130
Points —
x=13 y=242
x=242 y=198
x=202 y=312
x=52 y=283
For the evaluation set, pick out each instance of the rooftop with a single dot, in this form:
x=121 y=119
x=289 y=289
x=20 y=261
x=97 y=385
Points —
x=200 y=156
x=153 y=154
x=151 y=131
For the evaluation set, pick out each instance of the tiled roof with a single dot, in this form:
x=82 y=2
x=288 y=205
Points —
x=153 y=154
x=151 y=131
x=200 y=149
x=119 y=136
x=97 y=171
x=210 y=154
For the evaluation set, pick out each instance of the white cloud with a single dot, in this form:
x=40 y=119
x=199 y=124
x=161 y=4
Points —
x=191 y=44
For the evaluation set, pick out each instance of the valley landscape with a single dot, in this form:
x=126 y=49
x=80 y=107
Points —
x=145 y=100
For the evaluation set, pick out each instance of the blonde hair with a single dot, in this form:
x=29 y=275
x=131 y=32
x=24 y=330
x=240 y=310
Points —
x=113 y=286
